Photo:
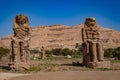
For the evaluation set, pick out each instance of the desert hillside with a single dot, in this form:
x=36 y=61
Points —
x=60 y=36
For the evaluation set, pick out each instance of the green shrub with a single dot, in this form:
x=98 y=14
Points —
x=56 y=51
x=66 y=51
x=48 y=53
x=116 y=53
x=59 y=51
x=108 y=52
x=34 y=51
x=112 y=52
x=3 y=52
x=76 y=56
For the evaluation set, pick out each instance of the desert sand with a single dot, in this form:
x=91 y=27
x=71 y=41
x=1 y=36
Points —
x=63 y=75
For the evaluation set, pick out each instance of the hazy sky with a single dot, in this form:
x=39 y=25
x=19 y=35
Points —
x=66 y=12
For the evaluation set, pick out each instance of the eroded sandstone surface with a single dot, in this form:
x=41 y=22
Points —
x=61 y=36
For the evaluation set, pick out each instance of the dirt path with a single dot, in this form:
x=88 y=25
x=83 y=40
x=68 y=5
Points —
x=65 y=72
x=5 y=76
x=72 y=75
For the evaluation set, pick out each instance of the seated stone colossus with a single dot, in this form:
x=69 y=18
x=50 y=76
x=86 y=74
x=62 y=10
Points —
x=93 y=52
x=20 y=53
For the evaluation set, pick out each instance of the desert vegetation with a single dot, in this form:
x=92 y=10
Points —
x=112 y=53
x=3 y=52
x=74 y=53
x=56 y=59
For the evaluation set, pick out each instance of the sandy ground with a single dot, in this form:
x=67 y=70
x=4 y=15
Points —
x=64 y=75
x=5 y=76
x=72 y=72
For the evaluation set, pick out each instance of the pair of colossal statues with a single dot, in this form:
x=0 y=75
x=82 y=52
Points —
x=20 y=52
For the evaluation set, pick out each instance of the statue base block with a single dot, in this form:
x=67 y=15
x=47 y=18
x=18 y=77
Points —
x=19 y=66
x=103 y=64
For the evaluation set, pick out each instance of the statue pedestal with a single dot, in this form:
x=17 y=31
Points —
x=19 y=66
x=103 y=64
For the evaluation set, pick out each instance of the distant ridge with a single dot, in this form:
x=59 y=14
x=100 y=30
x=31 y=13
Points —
x=61 y=36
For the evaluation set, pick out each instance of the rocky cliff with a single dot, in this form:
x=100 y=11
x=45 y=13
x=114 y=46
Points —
x=60 y=36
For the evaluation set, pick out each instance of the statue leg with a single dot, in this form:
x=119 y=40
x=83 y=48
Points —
x=84 y=48
x=11 y=57
x=28 y=56
x=100 y=52
x=22 y=51
x=94 y=52
x=86 y=58
x=15 y=51
x=26 y=51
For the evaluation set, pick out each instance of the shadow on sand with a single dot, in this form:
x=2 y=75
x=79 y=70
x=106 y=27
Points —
x=73 y=64
x=4 y=67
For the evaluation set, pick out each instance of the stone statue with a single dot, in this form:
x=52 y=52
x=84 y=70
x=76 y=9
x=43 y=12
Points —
x=20 y=52
x=42 y=52
x=92 y=47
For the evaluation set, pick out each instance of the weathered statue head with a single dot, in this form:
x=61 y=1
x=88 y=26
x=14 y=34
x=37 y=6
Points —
x=90 y=22
x=21 y=20
x=21 y=26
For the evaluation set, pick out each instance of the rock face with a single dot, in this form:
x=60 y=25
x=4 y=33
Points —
x=60 y=36
x=56 y=36
x=20 y=52
x=93 y=53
